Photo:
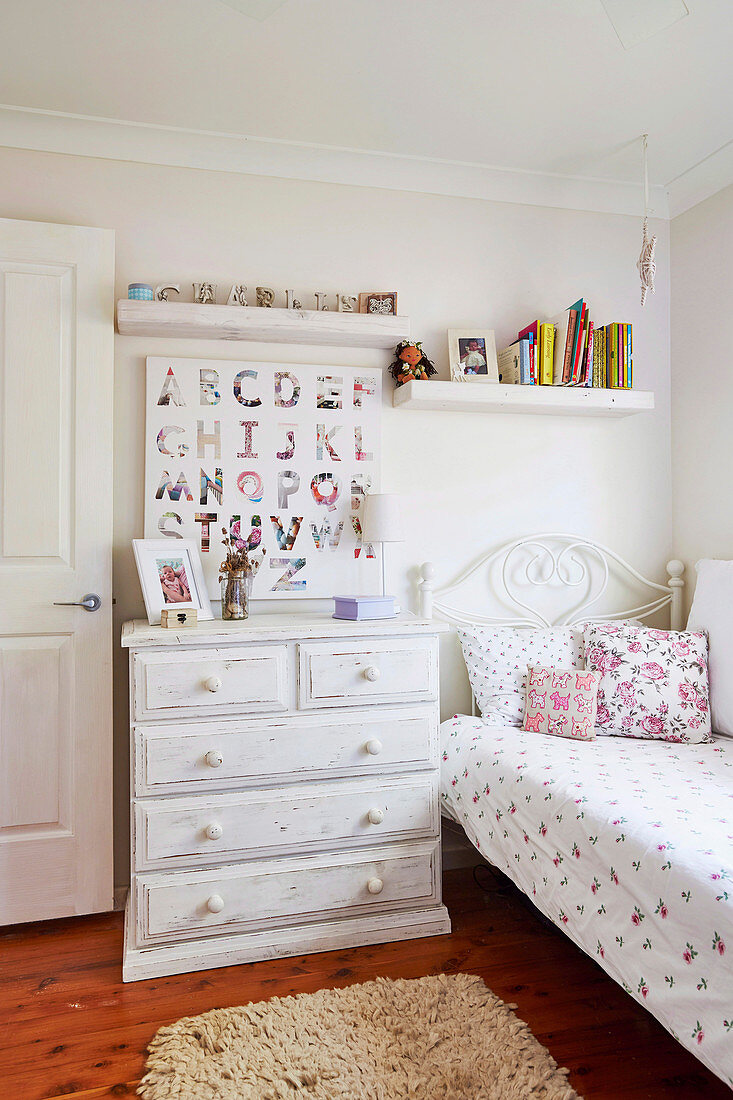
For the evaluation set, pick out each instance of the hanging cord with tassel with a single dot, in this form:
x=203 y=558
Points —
x=645 y=264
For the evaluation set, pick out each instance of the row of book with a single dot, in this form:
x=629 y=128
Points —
x=570 y=351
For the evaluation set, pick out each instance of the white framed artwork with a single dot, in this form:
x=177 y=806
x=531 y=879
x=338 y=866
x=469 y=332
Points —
x=282 y=455
x=171 y=576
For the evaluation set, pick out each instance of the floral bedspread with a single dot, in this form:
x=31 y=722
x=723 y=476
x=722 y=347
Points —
x=627 y=846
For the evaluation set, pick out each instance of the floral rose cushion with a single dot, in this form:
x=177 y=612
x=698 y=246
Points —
x=497 y=659
x=654 y=683
x=561 y=701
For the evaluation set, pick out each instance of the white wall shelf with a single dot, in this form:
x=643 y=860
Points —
x=545 y=400
x=284 y=326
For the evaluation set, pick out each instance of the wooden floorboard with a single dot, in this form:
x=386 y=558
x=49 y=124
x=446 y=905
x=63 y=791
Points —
x=70 y=1027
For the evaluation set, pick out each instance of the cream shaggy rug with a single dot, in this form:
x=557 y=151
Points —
x=444 y=1037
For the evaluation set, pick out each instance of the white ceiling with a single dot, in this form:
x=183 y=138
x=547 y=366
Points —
x=534 y=86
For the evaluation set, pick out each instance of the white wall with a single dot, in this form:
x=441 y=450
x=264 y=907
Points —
x=471 y=481
x=702 y=373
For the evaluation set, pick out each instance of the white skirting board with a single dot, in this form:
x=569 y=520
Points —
x=333 y=935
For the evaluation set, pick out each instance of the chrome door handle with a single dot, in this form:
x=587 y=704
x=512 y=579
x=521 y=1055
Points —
x=90 y=602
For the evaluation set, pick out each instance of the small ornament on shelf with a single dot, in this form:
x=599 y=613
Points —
x=378 y=302
x=411 y=363
x=265 y=296
x=346 y=302
x=204 y=294
x=237 y=295
x=237 y=571
x=164 y=289
x=140 y=292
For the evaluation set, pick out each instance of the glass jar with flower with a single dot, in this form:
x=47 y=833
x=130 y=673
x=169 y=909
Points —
x=237 y=571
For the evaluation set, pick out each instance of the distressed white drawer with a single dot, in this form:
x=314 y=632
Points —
x=334 y=674
x=200 y=681
x=201 y=755
x=175 y=831
x=184 y=904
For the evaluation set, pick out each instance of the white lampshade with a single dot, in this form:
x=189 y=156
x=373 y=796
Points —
x=382 y=518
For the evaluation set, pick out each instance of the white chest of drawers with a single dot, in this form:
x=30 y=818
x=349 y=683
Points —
x=284 y=783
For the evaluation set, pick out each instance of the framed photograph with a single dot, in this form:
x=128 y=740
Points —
x=171 y=575
x=472 y=355
x=378 y=301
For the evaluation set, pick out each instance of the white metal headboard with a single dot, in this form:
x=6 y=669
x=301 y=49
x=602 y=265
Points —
x=573 y=566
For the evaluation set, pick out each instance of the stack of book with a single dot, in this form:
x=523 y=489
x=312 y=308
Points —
x=569 y=351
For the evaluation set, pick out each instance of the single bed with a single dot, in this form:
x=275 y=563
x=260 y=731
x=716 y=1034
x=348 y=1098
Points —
x=625 y=844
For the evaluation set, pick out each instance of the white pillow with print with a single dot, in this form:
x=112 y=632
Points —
x=497 y=659
x=712 y=611
x=654 y=683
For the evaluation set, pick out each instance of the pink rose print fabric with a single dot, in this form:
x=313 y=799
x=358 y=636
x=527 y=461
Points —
x=654 y=683
x=561 y=702
x=627 y=846
x=497 y=660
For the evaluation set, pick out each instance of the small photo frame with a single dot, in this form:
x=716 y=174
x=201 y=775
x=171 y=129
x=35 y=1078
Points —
x=171 y=575
x=472 y=355
x=378 y=302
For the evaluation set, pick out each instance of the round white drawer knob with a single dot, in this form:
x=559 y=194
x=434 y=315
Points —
x=214 y=759
x=215 y=903
x=214 y=831
x=375 y=886
x=376 y=816
x=212 y=683
x=371 y=673
x=374 y=747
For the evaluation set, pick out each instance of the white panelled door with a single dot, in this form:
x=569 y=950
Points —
x=56 y=364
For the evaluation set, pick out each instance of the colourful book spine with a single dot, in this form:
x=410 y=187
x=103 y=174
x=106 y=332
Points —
x=627 y=359
x=524 y=362
x=578 y=348
x=532 y=360
x=582 y=353
x=570 y=343
x=588 y=369
x=607 y=353
x=613 y=364
x=583 y=357
x=598 y=340
x=547 y=346
x=620 y=360
x=579 y=338
x=631 y=357
x=534 y=329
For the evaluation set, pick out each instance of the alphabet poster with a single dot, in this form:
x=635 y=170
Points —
x=279 y=455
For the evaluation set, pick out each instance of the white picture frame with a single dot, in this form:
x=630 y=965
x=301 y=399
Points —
x=472 y=355
x=177 y=559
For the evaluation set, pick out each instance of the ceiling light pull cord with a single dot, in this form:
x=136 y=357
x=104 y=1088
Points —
x=645 y=264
